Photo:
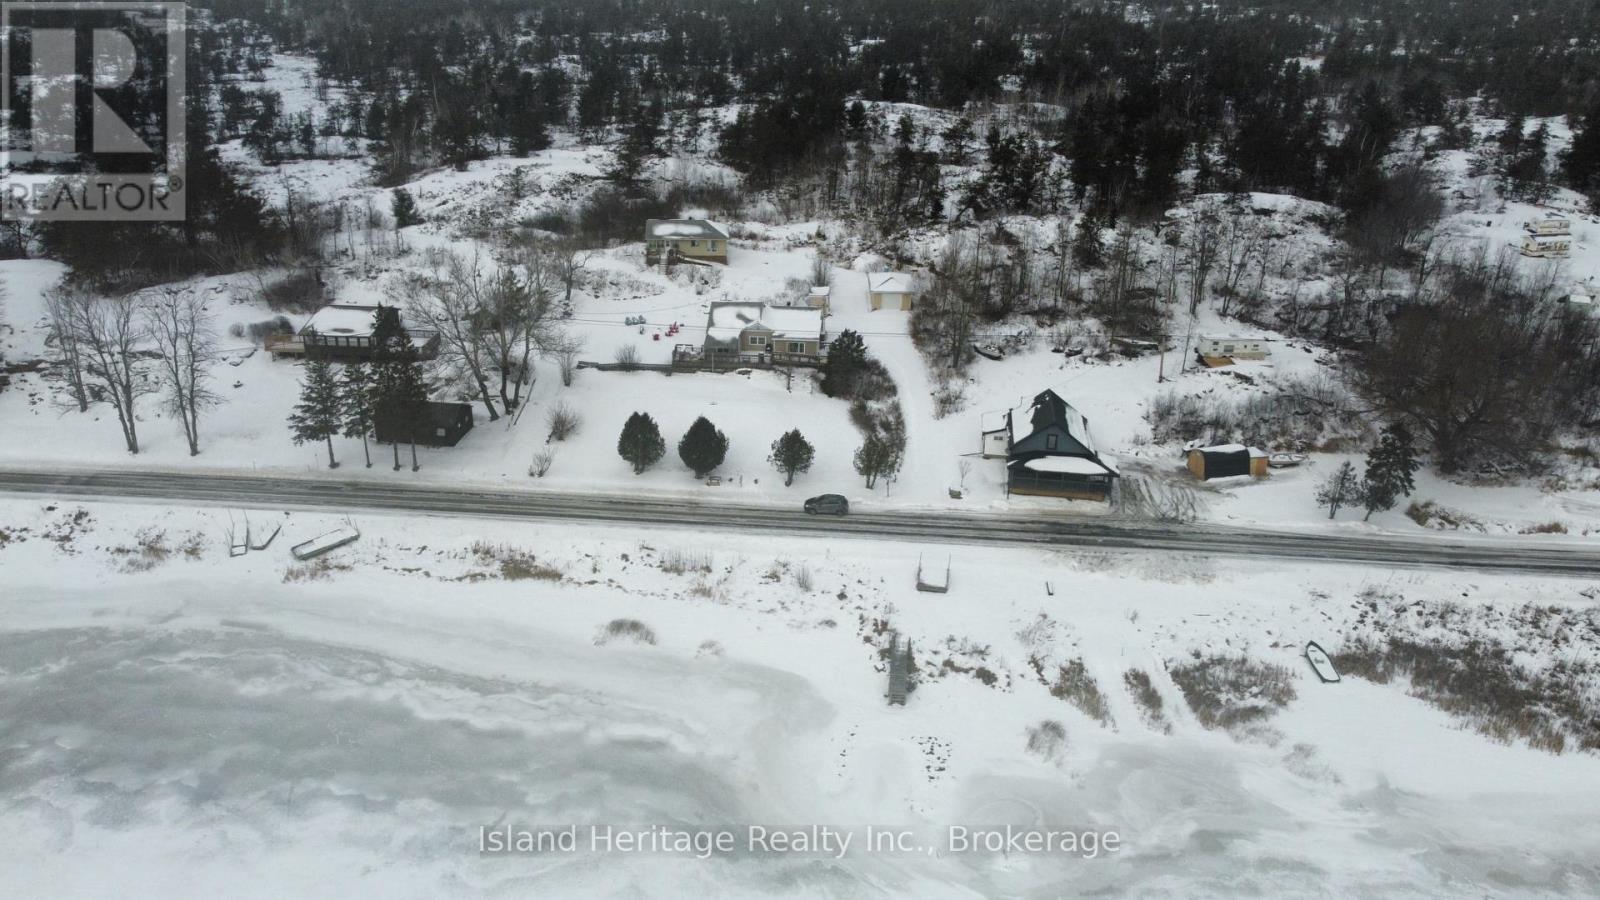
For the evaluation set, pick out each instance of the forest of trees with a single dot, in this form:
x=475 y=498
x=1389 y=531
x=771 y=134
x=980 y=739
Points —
x=1225 y=90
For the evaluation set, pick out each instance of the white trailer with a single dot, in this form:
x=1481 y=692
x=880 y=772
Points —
x=1556 y=247
x=1548 y=225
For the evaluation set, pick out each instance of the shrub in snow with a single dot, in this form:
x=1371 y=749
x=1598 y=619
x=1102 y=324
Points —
x=627 y=357
x=1075 y=685
x=626 y=629
x=1225 y=691
x=563 y=422
x=1148 y=698
x=1047 y=739
x=542 y=461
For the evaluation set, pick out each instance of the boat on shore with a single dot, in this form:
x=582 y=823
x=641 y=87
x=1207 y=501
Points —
x=1321 y=663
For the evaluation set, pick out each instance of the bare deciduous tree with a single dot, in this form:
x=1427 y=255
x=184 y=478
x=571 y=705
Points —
x=179 y=325
x=1203 y=240
x=569 y=263
x=59 y=302
x=454 y=300
x=107 y=332
x=566 y=349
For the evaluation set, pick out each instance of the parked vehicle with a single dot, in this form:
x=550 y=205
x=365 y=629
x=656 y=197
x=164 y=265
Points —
x=827 y=504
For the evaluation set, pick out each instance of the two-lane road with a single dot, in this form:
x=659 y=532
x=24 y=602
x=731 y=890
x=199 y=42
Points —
x=1548 y=556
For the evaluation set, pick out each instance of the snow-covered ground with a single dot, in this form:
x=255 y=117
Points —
x=189 y=724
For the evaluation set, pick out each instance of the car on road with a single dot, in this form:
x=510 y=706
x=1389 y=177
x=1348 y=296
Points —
x=827 y=504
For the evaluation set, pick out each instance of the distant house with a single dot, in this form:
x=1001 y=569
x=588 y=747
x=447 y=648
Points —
x=343 y=332
x=1579 y=302
x=819 y=296
x=1226 y=461
x=1049 y=450
x=1546 y=246
x=1548 y=224
x=744 y=332
x=1233 y=347
x=891 y=290
x=442 y=425
x=684 y=240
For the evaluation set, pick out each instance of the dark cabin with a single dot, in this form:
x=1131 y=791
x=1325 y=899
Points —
x=1052 y=452
x=442 y=425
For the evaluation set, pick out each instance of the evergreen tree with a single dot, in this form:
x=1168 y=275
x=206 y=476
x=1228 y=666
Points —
x=317 y=416
x=957 y=140
x=641 y=444
x=1390 y=465
x=355 y=399
x=1581 y=163
x=1341 y=489
x=639 y=145
x=877 y=457
x=855 y=117
x=404 y=208
x=399 y=392
x=847 y=357
x=1088 y=249
x=703 y=447
x=791 y=454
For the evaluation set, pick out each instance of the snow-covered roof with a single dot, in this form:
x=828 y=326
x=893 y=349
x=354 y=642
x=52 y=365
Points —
x=793 y=321
x=727 y=320
x=343 y=320
x=821 y=290
x=1255 y=452
x=1069 y=465
x=891 y=283
x=684 y=228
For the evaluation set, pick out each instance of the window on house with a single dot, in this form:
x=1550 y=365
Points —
x=694 y=243
x=1050 y=442
x=758 y=340
x=438 y=432
x=796 y=347
x=712 y=246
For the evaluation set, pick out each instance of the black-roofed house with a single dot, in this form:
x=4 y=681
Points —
x=1049 y=450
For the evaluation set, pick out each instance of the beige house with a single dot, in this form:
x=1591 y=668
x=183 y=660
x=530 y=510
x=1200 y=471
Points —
x=891 y=290
x=684 y=240
x=740 y=332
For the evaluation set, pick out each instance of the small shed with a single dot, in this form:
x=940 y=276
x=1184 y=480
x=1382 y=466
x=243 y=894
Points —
x=441 y=425
x=1227 y=461
x=818 y=297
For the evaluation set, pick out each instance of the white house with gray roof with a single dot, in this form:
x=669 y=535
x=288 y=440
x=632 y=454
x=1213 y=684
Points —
x=741 y=332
